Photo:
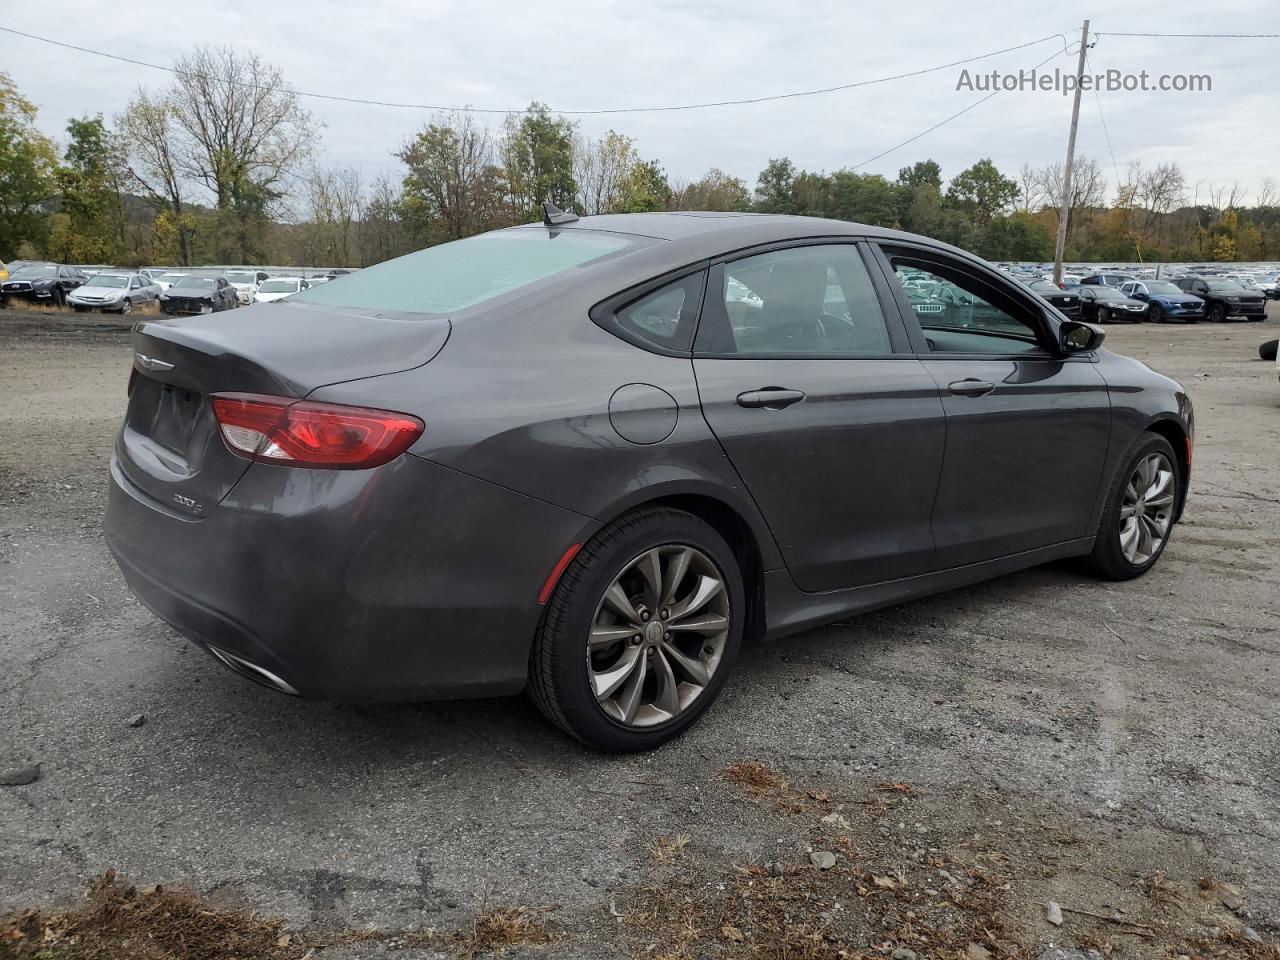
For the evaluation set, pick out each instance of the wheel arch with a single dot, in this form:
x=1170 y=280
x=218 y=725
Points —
x=750 y=540
x=1176 y=434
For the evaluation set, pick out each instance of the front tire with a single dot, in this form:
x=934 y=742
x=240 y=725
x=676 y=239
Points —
x=1156 y=314
x=1104 y=315
x=641 y=632
x=1218 y=313
x=1138 y=515
x=126 y=307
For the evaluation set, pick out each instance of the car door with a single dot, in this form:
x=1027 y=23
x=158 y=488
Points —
x=1027 y=426
x=835 y=429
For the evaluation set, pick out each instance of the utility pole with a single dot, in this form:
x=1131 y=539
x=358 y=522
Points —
x=1071 y=155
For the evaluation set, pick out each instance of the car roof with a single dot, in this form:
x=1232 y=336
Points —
x=694 y=235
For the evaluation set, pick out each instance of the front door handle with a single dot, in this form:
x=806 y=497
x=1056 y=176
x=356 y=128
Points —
x=971 y=388
x=770 y=398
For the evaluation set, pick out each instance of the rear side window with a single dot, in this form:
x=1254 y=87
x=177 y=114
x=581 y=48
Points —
x=666 y=317
x=453 y=276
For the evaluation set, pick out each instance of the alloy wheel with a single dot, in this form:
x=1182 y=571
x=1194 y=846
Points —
x=658 y=635
x=1147 y=509
x=126 y=307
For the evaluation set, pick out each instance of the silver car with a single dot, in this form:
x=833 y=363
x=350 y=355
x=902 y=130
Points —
x=119 y=292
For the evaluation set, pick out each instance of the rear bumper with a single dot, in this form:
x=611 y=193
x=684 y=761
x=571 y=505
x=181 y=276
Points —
x=409 y=581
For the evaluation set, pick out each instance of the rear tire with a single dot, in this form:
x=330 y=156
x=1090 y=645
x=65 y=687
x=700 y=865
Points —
x=566 y=671
x=1267 y=349
x=1115 y=555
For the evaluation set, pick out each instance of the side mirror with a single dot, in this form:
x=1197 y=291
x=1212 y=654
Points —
x=1138 y=295
x=1077 y=337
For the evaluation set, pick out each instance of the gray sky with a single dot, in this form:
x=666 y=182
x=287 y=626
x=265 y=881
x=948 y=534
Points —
x=584 y=55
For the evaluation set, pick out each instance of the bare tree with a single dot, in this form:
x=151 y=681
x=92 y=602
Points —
x=243 y=133
x=1031 y=195
x=151 y=160
x=1088 y=189
x=382 y=228
x=334 y=199
x=1267 y=193
x=600 y=169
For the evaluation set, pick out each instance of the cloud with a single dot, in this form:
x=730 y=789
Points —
x=584 y=55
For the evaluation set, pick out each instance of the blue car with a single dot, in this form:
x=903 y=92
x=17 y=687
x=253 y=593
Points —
x=1165 y=300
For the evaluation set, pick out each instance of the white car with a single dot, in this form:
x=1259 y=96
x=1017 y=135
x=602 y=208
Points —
x=167 y=280
x=245 y=283
x=277 y=288
x=120 y=292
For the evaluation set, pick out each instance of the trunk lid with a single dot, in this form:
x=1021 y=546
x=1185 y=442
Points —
x=170 y=446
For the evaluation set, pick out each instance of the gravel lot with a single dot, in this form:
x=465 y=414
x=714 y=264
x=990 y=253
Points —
x=1138 y=718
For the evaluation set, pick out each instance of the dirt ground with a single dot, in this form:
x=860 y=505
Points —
x=964 y=759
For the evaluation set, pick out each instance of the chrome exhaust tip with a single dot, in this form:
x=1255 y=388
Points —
x=251 y=670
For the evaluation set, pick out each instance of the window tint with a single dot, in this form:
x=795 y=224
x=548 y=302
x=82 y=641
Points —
x=453 y=276
x=815 y=300
x=962 y=313
x=666 y=317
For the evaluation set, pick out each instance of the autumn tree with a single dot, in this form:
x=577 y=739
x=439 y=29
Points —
x=28 y=164
x=453 y=185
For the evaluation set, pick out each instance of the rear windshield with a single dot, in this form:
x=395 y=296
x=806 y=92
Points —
x=453 y=276
x=278 y=286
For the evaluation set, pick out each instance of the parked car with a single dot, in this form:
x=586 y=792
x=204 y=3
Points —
x=1225 y=298
x=1269 y=284
x=245 y=283
x=120 y=292
x=1102 y=304
x=1165 y=300
x=191 y=294
x=153 y=273
x=167 y=280
x=1107 y=279
x=42 y=283
x=1068 y=302
x=537 y=457
x=277 y=288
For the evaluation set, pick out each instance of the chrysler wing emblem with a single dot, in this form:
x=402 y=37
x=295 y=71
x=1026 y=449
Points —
x=151 y=363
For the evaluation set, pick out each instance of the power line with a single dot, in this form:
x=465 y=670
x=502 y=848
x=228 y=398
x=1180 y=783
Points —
x=1197 y=36
x=1097 y=98
x=958 y=113
x=615 y=110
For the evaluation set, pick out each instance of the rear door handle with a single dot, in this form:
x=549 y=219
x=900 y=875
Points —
x=971 y=388
x=771 y=398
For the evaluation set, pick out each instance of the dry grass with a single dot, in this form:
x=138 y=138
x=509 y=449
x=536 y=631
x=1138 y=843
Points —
x=495 y=930
x=667 y=849
x=117 y=921
x=754 y=777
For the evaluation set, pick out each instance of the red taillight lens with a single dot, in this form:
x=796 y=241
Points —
x=300 y=433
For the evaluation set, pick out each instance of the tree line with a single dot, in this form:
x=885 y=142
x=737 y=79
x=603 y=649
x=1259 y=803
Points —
x=224 y=165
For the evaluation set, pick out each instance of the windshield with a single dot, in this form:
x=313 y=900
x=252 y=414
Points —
x=107 y=280
x=34 y=272
x=461 y=274
x=1163 y=287
x=239 y=277
x=1108 y=293
x=193 y=283
x=1224 y=286
x=278 y=286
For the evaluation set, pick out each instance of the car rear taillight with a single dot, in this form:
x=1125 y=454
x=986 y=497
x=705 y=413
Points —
x=301 y=433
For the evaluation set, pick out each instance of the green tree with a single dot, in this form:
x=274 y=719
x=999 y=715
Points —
x=982 y=192
x=922 y=173
x=452 y=189
x=646 y=189
x=774 y=187
x=28 y=164
x=90 y=188
x=537 y=155
x=865 y=198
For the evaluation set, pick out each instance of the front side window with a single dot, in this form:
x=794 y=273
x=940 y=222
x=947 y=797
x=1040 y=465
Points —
x=809 y=301
x=960 y=312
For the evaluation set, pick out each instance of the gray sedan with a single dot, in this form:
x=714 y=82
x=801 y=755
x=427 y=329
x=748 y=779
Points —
x=591 y=457
x=118 y=292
